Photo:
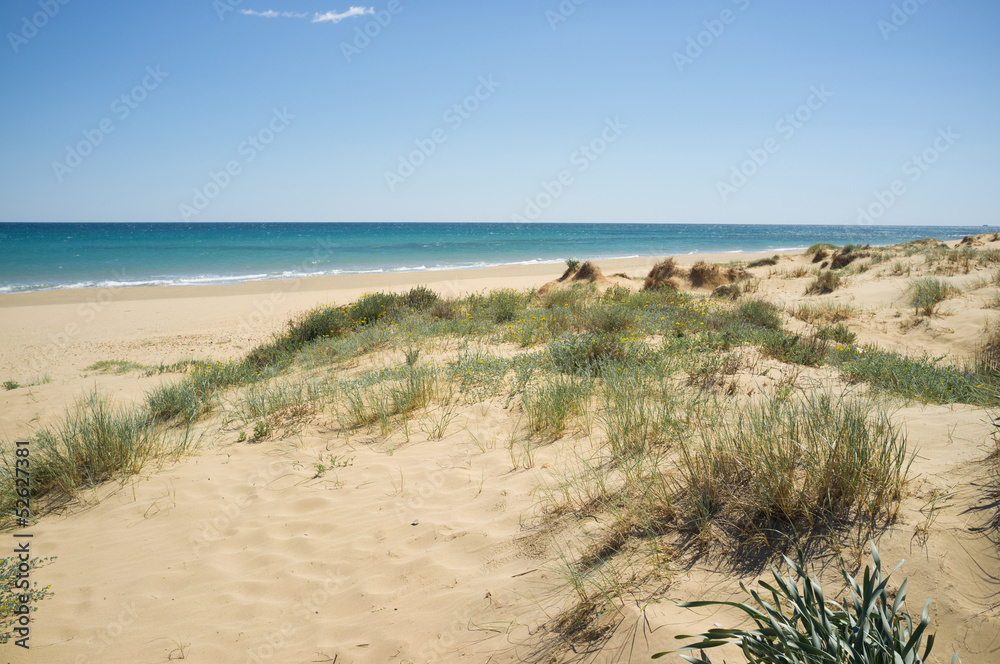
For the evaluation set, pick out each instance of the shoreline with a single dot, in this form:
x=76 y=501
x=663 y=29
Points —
x=395 y=279
x=224 y=281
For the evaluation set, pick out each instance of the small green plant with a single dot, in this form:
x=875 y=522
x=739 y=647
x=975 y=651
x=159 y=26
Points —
x=261 y=430
x=412 y=354
x=839 y=333
x=796 y=623
x=13 y=597
x=11 y=385
x=371 y=307
x=420 y=298
x=760 y=313
x=795 y=349
x=572 y=264
x=242 y=438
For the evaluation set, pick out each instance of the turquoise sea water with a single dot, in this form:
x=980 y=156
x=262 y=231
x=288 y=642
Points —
x=54 y=256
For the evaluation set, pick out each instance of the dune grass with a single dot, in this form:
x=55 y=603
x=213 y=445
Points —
x=93 y=442
x=572 y=338
x=825 y=282
x=927 y=294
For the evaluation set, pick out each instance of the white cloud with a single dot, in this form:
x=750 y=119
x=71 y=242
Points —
x=334 y=17
x=270 y=13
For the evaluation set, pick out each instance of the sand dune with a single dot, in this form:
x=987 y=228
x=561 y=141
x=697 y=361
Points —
x=423 y=545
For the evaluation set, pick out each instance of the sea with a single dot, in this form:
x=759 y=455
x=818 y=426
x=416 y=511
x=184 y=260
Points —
x=49 y=256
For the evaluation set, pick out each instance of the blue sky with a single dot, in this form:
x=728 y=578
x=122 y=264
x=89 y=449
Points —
x=737 y=111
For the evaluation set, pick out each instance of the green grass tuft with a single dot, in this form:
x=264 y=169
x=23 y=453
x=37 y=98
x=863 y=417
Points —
x=927 y=294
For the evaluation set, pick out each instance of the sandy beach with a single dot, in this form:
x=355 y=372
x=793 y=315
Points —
x=428 y=545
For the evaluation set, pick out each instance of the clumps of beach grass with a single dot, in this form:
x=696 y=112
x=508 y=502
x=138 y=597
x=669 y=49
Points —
x=764 y=262
x=760 y=313
x=825 y=282
x=824 y=312
x=755 y=478
x=639 y=411
x=807 y=351
x=919 y=378
x=847 y=255
x=93 y=442
x=117 y=367
x=820 y=251
x=737 y=289
x=785 y=467
x=926 y=295
x=839 y=333
x=40 y=379
x=706 y=275
x=663 y=276
x=551 y=405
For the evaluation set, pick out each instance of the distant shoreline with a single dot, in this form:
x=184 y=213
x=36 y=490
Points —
x=60 y=257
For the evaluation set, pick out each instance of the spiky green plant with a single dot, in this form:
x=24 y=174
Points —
x=798 y=625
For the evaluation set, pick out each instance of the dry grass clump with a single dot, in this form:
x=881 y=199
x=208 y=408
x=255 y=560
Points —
x=820 y=251
x=706 y=275
x=662 y=276
x=763 y=262
x=825 y=282
x=585 y=271
x=846 y=256
x=735 y=290
x=825 y=312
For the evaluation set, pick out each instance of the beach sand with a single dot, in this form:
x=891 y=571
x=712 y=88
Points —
x=419 y=551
